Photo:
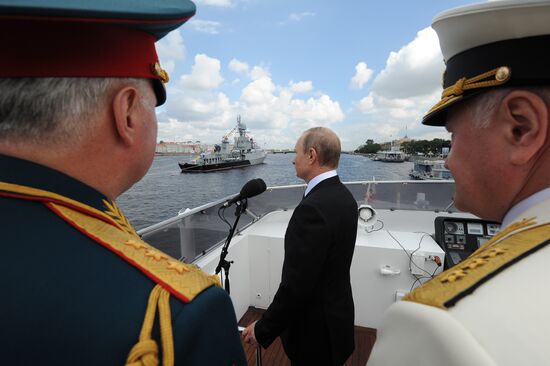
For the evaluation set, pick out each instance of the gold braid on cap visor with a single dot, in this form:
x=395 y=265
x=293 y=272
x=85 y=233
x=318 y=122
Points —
x=454 y=92
x=158 y=71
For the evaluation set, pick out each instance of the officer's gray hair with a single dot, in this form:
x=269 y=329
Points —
x=325 y=142
x=483 y=106
x=53 y=110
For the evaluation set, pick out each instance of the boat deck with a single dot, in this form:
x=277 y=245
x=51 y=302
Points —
x=275 y=355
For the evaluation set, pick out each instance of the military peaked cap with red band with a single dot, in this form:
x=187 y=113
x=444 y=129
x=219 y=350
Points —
x=88 y=38
x=491 y=45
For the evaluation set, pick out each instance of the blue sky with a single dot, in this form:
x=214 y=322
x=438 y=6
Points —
x=365 y=69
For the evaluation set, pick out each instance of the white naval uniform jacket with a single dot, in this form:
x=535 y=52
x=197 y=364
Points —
x=504 y=321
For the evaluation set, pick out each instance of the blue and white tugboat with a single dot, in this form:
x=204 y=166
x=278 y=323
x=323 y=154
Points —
x=243 y=153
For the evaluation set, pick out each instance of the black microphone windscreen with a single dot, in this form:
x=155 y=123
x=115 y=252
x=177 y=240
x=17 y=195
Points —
x=253 y=188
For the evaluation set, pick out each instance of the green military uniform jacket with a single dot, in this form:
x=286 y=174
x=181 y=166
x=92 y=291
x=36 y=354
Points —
x=76 y=281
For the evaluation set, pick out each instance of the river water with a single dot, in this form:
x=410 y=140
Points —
x=165 y=190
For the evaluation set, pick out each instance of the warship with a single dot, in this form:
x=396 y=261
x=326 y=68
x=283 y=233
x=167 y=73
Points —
x=243 y=153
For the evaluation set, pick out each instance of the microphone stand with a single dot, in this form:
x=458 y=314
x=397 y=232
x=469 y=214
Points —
x=224 y=264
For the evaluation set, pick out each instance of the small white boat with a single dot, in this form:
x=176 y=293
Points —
x=430 y=170
x=390 y=156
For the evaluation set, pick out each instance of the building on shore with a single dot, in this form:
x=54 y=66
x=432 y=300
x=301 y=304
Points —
x=394 y=144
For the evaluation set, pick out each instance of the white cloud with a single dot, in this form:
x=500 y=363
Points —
x=362 y=75
x=205 y=26
x=238 y=67
x=205 y=74
x=366 y=104
x=301 y=86
x=297 y=17
x=259 y=91
x=402 y=92
x=259 y=72
x=414 y=70
x=397 y=109
x=170 y=49
x=273 y=107
x=220 y=3
x=316 y=111
x=201 y=107
x=174 y=130
x=433 y=132
x=195 y=110
x=387 y=118
x=205 y=115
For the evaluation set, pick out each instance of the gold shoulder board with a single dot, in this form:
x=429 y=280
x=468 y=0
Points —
x=450 y=286
x=113 y=231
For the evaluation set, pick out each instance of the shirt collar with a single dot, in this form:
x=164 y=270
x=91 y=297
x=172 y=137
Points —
x=318 y=179
x=524 y=205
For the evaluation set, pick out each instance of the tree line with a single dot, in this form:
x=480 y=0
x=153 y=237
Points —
x=412 y=147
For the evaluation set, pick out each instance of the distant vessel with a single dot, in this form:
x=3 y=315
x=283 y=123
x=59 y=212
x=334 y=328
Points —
x=430 y=169
x=391 y=156
x=244 y=153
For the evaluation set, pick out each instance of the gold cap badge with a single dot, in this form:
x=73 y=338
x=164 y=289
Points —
x=160 y=72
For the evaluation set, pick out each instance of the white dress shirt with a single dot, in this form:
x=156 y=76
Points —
x=525 y=205
x=318 y=179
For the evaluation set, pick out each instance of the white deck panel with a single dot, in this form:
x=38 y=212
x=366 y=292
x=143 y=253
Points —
x=258 y=253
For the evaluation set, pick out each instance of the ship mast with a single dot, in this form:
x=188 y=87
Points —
x=240 y=141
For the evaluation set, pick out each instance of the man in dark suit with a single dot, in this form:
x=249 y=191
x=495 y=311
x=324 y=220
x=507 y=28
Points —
x=313 y=310
x=79 y=82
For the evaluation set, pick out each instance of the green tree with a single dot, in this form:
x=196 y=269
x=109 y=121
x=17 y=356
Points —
x=412 y=147
x=408 y=147
x=369 y=148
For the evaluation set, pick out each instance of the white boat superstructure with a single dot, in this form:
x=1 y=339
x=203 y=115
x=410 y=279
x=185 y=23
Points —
x=430 y=170
x=244 y=152
x=391 y=156
x=395 y=252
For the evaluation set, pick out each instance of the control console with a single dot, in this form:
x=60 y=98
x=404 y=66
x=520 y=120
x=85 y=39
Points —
x=460 y=237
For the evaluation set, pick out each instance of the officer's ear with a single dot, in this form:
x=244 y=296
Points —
x=524 y=116
x=312 y=155
x=125 y=106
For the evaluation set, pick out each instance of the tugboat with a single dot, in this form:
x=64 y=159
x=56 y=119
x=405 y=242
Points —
x=244 y=153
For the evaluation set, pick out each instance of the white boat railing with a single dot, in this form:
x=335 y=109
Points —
x=193 y=233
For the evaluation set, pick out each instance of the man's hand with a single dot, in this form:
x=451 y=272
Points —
x=249 y=336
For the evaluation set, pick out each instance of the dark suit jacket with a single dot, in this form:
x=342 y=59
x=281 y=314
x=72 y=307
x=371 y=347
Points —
x=67 y=300
x=313 y=307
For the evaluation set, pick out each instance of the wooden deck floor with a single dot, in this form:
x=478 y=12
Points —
x=275 y=354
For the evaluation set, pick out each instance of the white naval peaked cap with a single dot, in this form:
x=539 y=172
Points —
x=488 y=45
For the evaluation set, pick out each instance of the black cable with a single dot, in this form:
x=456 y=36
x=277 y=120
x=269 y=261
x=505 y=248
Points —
x=373 y=230
x=436 y=267
x=402 y=247
x=222 y=216
x=411 y=254
x=417 y=279
x=423 y=277
x=418 y=248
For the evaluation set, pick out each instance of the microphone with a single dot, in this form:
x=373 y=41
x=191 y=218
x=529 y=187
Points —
x=251 y=188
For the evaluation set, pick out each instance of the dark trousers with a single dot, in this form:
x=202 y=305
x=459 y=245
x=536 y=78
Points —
x=323 y=358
